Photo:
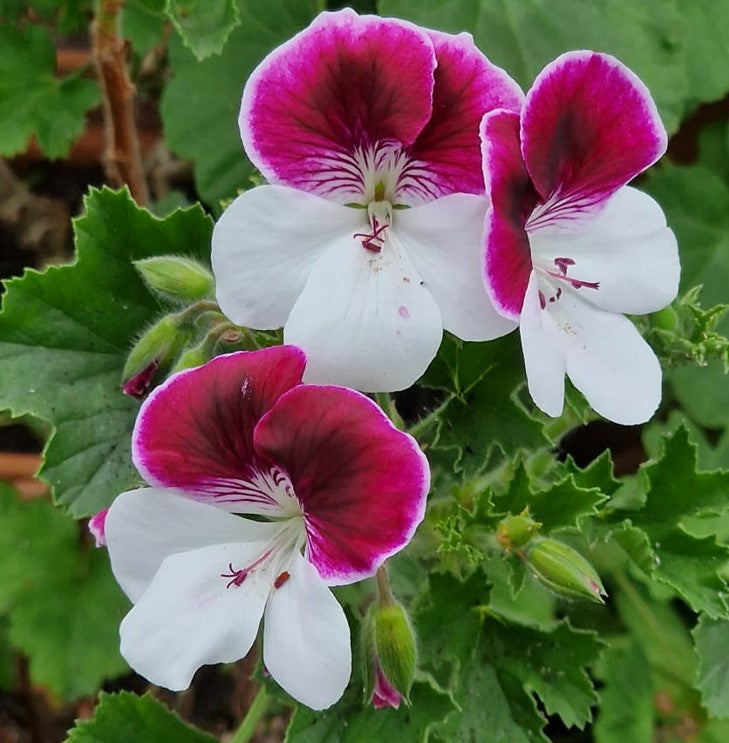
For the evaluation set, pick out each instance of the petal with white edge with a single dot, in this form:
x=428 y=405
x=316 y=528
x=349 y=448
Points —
x=191 y=615
x=606 y=359
x=364 y=319
x=443 y=239
x=145 y=526
x=195 y=431
x=264 y=246
x=626 y=248
x=339 y=87
x=589 y=126
x=361 y=505
x=306 y=643
x=544 y=357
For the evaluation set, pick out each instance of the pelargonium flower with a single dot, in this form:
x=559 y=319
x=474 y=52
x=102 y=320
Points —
x=568 y=245
x=321 y=469
x=353 y=120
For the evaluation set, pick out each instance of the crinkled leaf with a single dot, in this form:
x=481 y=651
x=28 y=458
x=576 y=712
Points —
x=626 y=698
x=64 y=336
x=142 y=22
x=64 y=605
x=33 y=100
x=712 y=641
x=204 y=25
x=127 y=718
x=558 y=506
x=524 y=36
x=201 y=102
x=482 y=414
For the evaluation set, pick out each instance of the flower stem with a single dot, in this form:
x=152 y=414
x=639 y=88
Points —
x=123 y=158
x=384 y=593
x=255 y=712
x=386 y=402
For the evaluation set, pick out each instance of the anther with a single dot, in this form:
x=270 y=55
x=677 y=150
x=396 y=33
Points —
x=281 y=579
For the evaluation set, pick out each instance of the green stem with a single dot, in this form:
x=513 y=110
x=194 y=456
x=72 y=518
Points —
x=385 y=401
x=424 y=424
x=255 y=712
x=191 y=312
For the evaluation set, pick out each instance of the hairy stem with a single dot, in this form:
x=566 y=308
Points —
x=123 y=160
x=255 y=712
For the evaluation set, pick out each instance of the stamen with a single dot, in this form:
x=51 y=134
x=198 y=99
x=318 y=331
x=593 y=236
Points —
x=373 y=242
x=281 y=579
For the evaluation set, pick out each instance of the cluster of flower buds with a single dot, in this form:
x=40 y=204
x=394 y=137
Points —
x=557 y=566
x=168 y=344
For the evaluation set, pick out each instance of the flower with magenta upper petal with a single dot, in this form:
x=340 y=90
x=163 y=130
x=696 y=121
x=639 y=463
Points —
x=321 y=470
x=367 y=244
x=569 y=247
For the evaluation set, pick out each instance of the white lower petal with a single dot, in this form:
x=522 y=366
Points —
x=306 y=643
x=544 y=356
x=606 y=359
x=444 y=240
x=189 y=616
x=264 y=246
x=145 y=526
x=627 y=248
x=364 y=319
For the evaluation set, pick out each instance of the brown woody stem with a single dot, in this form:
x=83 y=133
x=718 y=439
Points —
x=123 y=160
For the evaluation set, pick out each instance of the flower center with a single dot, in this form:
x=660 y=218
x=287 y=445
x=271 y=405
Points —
x=380 y=219
x=561 y=274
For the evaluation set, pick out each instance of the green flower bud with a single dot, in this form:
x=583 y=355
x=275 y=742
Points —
x=516 y=531
x=564 y=571
x=394 y=646
x=175 y=277
x=190 y=359
x=665 y=319
x=156 y=347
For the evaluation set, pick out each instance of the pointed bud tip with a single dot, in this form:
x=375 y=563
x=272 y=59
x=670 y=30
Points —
x=176 y=277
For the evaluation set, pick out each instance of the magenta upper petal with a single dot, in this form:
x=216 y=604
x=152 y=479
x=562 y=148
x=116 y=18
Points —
x=507 y=256
x=589 y=126
x=197 y=427
x=340 y=86
x=362 y=484
x=466 y=86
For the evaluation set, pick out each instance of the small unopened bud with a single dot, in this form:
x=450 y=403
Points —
x=516 y=531
x=96 y=527
x=190 y=359
x=564 y=571
x=665 y=319
x=175 y=277
x=156 y=347
x=390 y=655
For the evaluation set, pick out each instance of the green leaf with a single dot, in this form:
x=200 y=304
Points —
x=558 y=506
x=64 y=605
x=70 y=15
x=200 y=104
x=704 y=25
x=142 y=22
x=482 y=413
x=65 y=334
x=33 y=100
x=522 y=36
x=712 y=679
x=626 y=699
x=125 y=717
x=348 y=722
x=204 y=25
x=696 y=203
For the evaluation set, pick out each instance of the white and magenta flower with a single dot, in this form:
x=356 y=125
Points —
x=367 y=245
x=569 y=247
x=320 y=469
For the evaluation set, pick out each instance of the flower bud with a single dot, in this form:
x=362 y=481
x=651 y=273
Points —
x=175 y=277
x=191 y=358
x=96 y=527
x=156 y=347
x=390 y=655
x=564 y=571
x=516 y=531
